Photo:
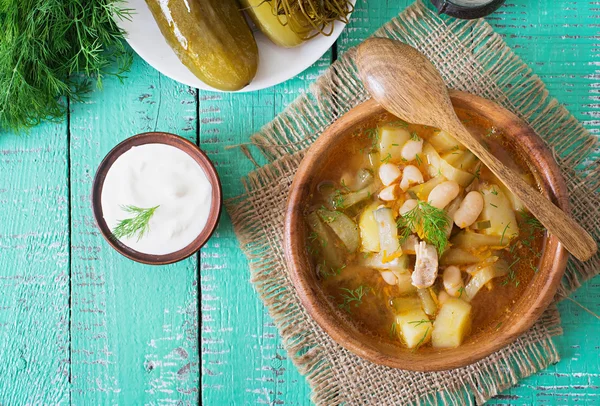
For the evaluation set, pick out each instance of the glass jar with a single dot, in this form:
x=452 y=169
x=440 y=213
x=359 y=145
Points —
x=467 y=9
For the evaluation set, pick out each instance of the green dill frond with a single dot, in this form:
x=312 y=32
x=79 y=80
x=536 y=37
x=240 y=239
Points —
x=394 y=330
x=50 y=51
x=431 y=221
x=531 y=222
x=387 y=158
x=136 y=225
x=397 y=123
x=353 y=297
x=419 y=322
x=418 y=160
x=422 y=338
x=503 y=233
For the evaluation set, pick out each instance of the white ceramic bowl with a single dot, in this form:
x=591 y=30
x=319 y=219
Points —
x=276 y=64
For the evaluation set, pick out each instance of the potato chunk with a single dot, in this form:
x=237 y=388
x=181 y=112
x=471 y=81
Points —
x=391 y=142
x=412 y=322
x=452 y=324
x=442 y=141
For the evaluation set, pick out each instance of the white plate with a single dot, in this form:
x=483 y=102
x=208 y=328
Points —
x=276 y=64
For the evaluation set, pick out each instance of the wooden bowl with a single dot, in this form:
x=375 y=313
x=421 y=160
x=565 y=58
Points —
x=197 y=155
x=528 y=307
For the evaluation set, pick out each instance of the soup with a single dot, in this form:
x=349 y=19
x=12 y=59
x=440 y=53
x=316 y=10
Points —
x=414 y=240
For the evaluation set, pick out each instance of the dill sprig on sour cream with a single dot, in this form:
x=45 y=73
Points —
x=138 y=224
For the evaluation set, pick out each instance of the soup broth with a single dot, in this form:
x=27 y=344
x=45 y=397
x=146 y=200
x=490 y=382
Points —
x=414 y=240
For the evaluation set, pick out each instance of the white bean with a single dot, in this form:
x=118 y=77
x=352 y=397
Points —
x=389 y=173
x=407 y=206
x=410 y=176
x=389 y=193
x=453 y=282
x=469 y=209
x=411 y=149
x=443 y=194
x=389 y=277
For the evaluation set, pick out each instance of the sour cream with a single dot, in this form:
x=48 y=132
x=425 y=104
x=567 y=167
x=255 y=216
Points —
x=158 y=175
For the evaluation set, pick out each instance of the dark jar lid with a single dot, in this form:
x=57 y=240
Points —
x=467 y=12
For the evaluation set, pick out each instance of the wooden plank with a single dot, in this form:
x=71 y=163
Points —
x=34 y=267
x=559 y=40
x=243 y=361
x=134 y=327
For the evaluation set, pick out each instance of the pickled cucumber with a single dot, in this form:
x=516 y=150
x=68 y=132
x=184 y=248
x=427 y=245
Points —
x=211 y=38
x=261 y=12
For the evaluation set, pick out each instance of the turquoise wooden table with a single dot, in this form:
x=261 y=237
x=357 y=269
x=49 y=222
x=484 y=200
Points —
x=80 y=324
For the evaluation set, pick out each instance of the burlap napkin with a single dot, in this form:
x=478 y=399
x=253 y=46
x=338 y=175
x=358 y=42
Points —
x=471 y=57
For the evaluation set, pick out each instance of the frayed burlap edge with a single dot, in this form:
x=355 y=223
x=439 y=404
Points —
x=472 y=58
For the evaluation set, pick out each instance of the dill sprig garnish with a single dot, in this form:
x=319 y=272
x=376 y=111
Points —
x=387 y=158
x=327 y=271
x=512 y=274
x=422 y=339
x=50 y=50
x=373 y=134
x=397 y=123
x=532 y=223
x=530 y=228
x=394 y=330
x=503 y=233
x=430 y=223
x=138 y=224
x=353 y=297
x=418 y=160
x=419 y=322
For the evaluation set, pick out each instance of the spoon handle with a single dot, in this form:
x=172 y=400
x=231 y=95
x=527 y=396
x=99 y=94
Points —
x=575 y=239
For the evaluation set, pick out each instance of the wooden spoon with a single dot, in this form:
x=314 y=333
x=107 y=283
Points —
x=407 y=84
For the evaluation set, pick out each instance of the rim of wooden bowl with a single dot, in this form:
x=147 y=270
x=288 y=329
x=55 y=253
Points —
x=157 y=137
x=524 y=313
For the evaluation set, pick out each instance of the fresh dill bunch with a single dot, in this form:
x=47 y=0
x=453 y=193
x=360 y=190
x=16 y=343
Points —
x=138 y=224
x=430 y=222
x=51 y=50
